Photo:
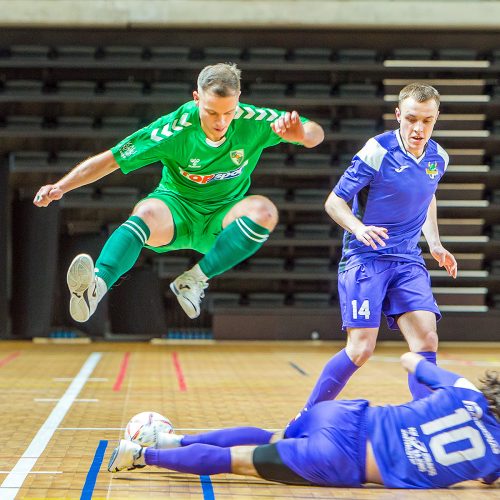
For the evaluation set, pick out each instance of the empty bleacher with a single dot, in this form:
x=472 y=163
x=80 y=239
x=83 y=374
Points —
x=64 y=101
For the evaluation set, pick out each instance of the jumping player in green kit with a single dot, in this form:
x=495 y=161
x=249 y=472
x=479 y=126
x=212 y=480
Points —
x=209 y=148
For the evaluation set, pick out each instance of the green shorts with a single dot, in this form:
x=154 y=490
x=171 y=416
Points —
x=196 y=225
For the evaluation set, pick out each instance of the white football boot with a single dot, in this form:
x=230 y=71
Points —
x=189 y=290
x=85 y=287
x=126 y=456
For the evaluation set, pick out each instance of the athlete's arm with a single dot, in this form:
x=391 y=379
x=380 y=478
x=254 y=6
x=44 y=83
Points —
x=340 y=212
x=428 y=373
x=290 y=128
x=431 y=233
x=87 y=172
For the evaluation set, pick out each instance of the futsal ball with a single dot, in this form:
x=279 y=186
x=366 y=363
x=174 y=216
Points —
x=143 y=427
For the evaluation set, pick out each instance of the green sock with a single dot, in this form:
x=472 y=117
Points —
x=122 y=250
x=236 y=242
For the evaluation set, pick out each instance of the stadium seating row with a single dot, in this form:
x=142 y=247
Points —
x=274 y=54
x=66 y=102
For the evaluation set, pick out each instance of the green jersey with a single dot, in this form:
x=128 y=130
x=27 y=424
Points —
x=194 y=167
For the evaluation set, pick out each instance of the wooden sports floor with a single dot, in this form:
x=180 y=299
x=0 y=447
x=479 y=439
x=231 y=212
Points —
x=64 y=407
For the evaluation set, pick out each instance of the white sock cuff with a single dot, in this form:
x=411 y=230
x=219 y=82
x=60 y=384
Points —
x=198 y=273
x=166 y=441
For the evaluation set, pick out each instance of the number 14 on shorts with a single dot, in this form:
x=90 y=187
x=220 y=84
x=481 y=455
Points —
x=364 y=309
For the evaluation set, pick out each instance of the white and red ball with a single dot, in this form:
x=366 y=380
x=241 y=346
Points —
x=141 y=428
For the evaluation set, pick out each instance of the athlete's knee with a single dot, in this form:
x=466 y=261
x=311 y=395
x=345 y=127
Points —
x=425 y=342
x=156 y=216
x=359 y=350
x=148 y=213
x=263 y=211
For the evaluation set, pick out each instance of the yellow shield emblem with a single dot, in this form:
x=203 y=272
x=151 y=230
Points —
x=237 y=156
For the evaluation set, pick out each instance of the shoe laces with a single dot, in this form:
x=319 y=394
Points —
x=198 y=285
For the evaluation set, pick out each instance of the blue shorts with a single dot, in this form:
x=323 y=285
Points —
x=391 y=287
x=327 y=444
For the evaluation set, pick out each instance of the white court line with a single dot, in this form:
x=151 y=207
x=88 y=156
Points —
x=395 y=359
x=52 y=400
x=183 y=429
x=13 y=482
x=91 y=429
x=32 y=472
x=92 y=379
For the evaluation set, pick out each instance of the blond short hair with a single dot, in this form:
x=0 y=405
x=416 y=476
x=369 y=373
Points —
x=222 y=79
x=421 y=92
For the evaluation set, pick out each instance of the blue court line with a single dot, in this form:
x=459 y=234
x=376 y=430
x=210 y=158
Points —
x=88 y=487
x=298 y=368
x=206 y=486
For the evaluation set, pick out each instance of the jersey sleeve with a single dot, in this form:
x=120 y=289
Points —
x=435 y=377
x=262 y=119
x=151 y=143
x=356 y=177
x=364 y=167
x=444 y=155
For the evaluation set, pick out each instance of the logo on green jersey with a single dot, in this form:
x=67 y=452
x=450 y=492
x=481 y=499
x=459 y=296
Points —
x=128 y=149
x=194 y=163
x=432 y=169
x=237 y=156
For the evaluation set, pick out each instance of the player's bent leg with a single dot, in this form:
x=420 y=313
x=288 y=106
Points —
x=86 y=289
x=361 y=344
x=337 y=371
x=242 y=236
x=259 y=209
x=419 y=330
x=158 y=218
x=246 y=227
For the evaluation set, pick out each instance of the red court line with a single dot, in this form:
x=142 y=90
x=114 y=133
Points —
x=9 y=358
x=178 y=372
x=121 y=373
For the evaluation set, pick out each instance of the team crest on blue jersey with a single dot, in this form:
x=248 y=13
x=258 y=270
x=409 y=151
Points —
x=237 y=156
x=432 y=169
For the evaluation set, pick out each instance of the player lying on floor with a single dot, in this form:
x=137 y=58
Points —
x=451 y=436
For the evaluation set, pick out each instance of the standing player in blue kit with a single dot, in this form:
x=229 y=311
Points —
x=453 y=435
x=392 y=182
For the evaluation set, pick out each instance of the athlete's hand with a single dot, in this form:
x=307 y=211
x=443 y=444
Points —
x=47 y=194
x=445 y=259
x=289 y=127
x=371 y=236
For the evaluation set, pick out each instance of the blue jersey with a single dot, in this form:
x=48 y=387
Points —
x=446 y=438
x=390 y=188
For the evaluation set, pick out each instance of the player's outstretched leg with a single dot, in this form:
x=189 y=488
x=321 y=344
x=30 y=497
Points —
x=85 y=287
x=189 y=288
x=126 y=456
x=224 y=438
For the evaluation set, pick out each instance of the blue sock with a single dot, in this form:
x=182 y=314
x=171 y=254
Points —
x=333 y=378
x=230 y=437
x=418 y=390
x=201 y=459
